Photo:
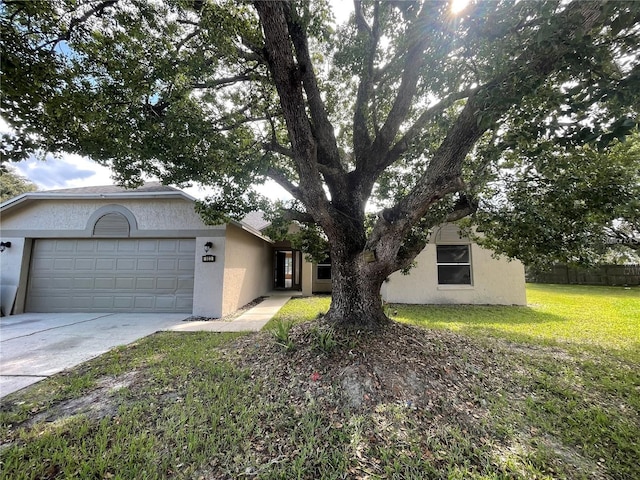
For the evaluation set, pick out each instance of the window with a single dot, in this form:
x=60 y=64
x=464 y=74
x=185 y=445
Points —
x=454 y=265
x=324 y=269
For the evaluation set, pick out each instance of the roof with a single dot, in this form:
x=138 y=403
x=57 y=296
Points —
x=148 y=190
x=256 y=220
x=104 y=189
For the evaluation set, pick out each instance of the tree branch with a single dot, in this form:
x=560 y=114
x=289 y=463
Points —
x=416 y=129
x=286 y=79
x=245 y=77
x=361 y=22
x=443 y=174
x=78 y=21
x=464 y=207
x=282 y=180
x=328 y=153
x=187 y=39
x=403 y=101
x=294 y=215
x=275 y=147
x=361 y=137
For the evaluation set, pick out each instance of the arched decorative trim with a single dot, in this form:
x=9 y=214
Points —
x=112 y=221
x=449 y=233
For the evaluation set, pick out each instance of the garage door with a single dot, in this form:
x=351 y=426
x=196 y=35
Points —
x=111 y=275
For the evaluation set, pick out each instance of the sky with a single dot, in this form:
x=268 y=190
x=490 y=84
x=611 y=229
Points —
x=71 y=170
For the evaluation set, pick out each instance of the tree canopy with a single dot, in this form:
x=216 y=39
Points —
x=406 y=116
x=12 y=185
x=566 y=205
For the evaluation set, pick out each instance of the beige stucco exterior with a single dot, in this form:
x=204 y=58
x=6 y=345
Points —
x=73 y=214
x=495 y=281
x=247 y=268
x=307 y=277
x=240 y=273
x=320 y=285
x=244 y=263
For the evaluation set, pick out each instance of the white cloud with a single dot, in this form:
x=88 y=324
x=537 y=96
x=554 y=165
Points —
x=65 y=171
x=71 y=170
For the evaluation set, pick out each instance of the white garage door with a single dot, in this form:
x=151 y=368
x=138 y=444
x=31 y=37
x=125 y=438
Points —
x=111 y=275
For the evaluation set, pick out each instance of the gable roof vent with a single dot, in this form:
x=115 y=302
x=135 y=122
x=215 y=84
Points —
x=111 y=225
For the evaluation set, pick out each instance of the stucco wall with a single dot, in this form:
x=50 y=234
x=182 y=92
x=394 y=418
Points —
x=154 y=217
x=307 y=276
x=63 y=215
x=495 y=281
x=208 y=279
x=247 y=272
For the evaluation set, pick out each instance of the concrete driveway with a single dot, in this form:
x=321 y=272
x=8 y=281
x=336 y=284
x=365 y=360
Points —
x=36 y=345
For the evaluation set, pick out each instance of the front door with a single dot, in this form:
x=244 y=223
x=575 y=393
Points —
x=288 y=265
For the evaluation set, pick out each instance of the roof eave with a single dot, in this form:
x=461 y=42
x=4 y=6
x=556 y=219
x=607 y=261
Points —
x=251 y=230
x=25 y=197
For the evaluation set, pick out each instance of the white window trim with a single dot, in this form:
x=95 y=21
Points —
x=454 y=286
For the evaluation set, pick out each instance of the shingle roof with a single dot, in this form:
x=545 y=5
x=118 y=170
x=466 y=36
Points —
x=149 y=187
x=256 y=220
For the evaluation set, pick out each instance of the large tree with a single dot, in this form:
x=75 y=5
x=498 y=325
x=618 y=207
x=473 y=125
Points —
x=407 y=108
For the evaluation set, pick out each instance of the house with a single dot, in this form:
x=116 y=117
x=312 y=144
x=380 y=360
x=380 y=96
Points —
x=111 y=249
x=146 y=250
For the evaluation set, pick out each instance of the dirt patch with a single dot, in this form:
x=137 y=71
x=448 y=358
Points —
x=433 y=379
x=99 y=403
x=431 y=374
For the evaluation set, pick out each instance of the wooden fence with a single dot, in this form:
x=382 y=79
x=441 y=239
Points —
x=603 y=275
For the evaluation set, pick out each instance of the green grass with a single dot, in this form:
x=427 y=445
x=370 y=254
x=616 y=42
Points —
x=569 y=314
x=184 y=411
x=572 y=314
x=585 y=395
x=299 y=310
x=179 y=406
x=185 y=406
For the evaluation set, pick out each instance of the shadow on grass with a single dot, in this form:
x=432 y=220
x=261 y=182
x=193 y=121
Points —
x=471 y=315
x=518 y=324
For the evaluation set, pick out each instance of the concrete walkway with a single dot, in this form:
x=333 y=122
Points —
x=250 y=321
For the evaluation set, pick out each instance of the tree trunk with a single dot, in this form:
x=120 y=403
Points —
x=355 y=301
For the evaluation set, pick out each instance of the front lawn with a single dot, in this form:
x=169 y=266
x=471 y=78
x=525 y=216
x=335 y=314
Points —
x=466 y=400
x=570 y=314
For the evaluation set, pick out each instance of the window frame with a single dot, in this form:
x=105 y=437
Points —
x=324 y=265
x=467 y=264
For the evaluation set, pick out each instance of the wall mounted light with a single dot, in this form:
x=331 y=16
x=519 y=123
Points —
x=208 y=246
x=4 y=246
